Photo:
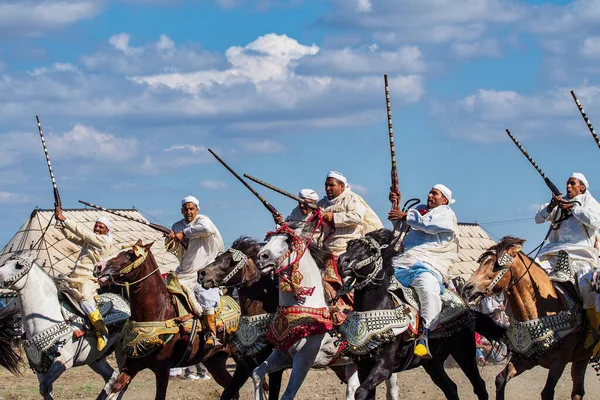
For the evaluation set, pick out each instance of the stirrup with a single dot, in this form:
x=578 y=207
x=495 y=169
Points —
x=562 y=269
x=422 y=345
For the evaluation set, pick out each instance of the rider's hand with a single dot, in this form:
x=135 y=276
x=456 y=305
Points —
x=394 y=197
x=59 y=215
x=556 y=200
x=179 y=236
x=565 y=206
x=328 y=218
x=278 y=219
x=396 y=215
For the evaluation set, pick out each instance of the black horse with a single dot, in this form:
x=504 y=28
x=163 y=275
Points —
x=10 y=332
x=258 y=294
x=371 y=293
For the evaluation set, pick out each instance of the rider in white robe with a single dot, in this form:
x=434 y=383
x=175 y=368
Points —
x=301 y=213
x=346 y=215
x=430 y=248
x=95 y=246
x=205 y=243
x=577 y=235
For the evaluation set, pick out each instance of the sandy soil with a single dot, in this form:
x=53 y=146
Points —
x=82 y=383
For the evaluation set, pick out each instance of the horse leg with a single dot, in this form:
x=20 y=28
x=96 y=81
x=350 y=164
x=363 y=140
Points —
x=161 y=376
x=275 y=379
x=380 y=371
x=240 y=376
x=437 y=373
x=347 y=374
x=217 y=366
x=275 y=362
x=304 y=358
x=465 y=358
x=103 y=368
x=515 y=366
x=554 y=374
x=578 y=369
x=392 y=389
x=46 y=380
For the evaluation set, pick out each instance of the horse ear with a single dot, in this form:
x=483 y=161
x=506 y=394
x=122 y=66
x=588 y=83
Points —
x=139 y=250
x=147 y=246
x=514 y=250
x=139 y=242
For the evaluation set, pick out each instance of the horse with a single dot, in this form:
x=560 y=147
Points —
x=10 y=320
x=548 y=325
x=155 y=336
x=382 y=324
x=259 y=299
x=57 y=339
x=300 y=327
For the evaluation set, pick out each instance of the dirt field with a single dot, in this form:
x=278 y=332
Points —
x=82 y=383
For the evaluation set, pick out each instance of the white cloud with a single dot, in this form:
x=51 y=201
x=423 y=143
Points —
x=12 y=198
x=33 y=18
x=363 y=5
x=89 y=144
x=360 y=189
x=190 y=147
x=121 y=42
x=56 y=67
x=591 y=47
x=486 y=47
x=265 y=146
x=213 y=185
x=165 y=43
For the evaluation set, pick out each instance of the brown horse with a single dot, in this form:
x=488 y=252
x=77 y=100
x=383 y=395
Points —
x=152 y=303
x=548 y=325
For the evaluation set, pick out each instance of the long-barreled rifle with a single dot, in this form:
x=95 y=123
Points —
x=160 y=228
x=547 y=180
x=265 y=203
x=312 y=206
x=57 y=201
x=394 y=173
x=585 y=118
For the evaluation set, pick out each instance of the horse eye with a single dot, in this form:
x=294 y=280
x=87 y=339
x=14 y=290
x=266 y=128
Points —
x=18 y=266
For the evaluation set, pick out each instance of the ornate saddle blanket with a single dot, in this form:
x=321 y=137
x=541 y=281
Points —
x=115 y=310
x=531 y=339
x=332 y=284
x=290 y=324
x=455 y=312
x=183 y=297
x=250 y=338
x=228 y=315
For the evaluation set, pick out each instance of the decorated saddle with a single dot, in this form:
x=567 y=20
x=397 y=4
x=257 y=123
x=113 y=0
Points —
x=332 y=284
x=363 y=331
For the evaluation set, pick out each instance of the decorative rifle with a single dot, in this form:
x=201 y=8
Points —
x=585 y=118
x=549 y=183
x=265 y=203
x=160 y=228
x=57 y=201
x=394 y=188
x=310 y=205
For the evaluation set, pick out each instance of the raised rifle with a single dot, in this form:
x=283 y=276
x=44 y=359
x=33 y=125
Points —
x=585 y=118
x=547 y=180
x=265 y=203
x=310 y=205
x=160 y=228
x=57 y=201
x=394 y=173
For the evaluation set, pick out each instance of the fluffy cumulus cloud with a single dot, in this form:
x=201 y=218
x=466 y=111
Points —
x=483 y=116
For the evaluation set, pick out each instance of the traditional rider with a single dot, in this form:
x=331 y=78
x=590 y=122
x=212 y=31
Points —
x=430 y=247
x=578 y=218
x=205 y=243
x=345 y=214
x=95 y=246
x=300 y=214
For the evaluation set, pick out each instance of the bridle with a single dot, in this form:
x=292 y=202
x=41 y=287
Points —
x=26 y=266
x=142 y=254
x=374 y=248
x=241 y=264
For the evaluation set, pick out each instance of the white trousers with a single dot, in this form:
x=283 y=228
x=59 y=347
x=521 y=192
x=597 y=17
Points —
x=427 y=287
x=209 y=299
x=583 y=274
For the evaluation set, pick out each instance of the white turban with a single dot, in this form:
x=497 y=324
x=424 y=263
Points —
x=581 y=177
x=338 y=176
x=308 y=194
x=190 y=199
x=445 y=191
x=104 y=221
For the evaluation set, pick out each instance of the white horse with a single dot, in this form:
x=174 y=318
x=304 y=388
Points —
x=51 y=344
x=314 y=351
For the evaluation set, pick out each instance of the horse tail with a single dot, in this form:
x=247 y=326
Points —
x=486 y=326
x=10 y=321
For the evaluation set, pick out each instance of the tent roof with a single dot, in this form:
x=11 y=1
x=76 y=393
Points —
x=472 y=242
x=58 y=255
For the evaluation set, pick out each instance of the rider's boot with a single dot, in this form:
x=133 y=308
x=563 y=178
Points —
x=100 y=328
x=211 y=333
x=422 y=345
x=593 y=333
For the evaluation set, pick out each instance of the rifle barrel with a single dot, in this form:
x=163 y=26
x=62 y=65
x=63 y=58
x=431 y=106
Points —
x=585 y=118
x=281 y=191
x=57 y=201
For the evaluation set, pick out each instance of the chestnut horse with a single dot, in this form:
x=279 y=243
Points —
x=533 y=297
x=151 y=302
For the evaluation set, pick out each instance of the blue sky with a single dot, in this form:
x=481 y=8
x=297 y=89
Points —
x=131 y=94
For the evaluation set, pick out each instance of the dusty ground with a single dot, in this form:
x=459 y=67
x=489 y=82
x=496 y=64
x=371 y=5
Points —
x=82 y=383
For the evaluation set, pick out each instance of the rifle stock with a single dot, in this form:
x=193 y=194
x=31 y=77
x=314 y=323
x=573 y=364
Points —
x=265 y=203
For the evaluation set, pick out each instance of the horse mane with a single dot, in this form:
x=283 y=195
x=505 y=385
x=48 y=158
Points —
x=247 y=245
x=383 y=237
x=505 y=243
x=321 y=254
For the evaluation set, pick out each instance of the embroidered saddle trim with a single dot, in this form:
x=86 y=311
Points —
x=290 y=324
x=44 y=347
x=250 y=338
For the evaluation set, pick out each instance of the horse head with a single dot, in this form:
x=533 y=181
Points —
x=15 y=268
x=281 y=246
x=235 y=267
x=127 y=265
x=364 y=257
x=492 y=276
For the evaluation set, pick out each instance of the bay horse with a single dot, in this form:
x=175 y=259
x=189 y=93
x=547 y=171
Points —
x=552 y=311
x=368 y=262
x=152 y=306
x=259 y=299
x=54 y=341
